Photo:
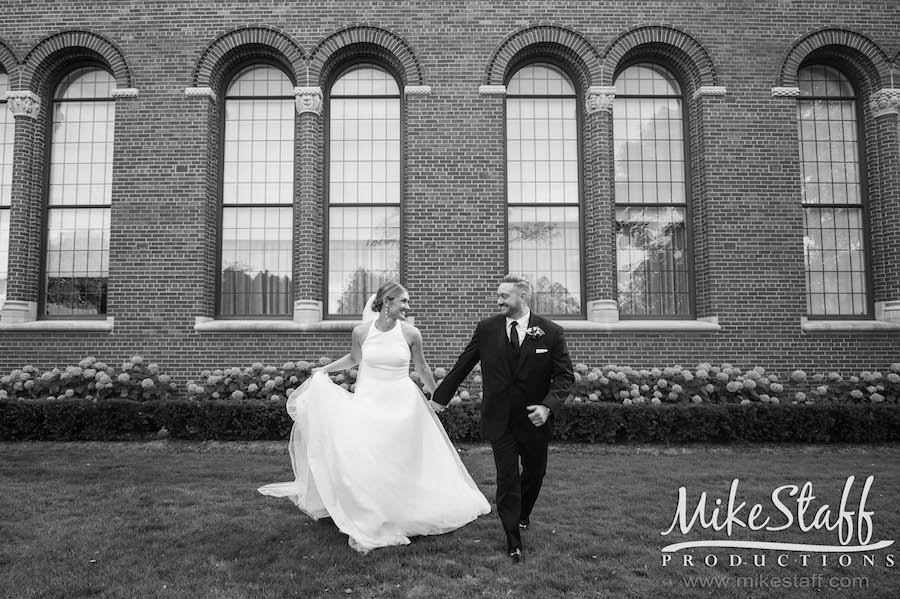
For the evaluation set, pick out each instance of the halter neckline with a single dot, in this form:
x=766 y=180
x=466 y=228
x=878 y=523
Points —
x=396 y=324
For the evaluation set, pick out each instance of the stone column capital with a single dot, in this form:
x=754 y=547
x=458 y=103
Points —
x=709 y=90
x=23 y=103
x=885 y=101
x=417 y=90
x=785 y=92
x=308 y=99
x=196 y=92
x=125 y=92
x=599 y=97
x=492 y=90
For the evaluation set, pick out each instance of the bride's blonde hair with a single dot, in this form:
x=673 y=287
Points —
x=388 y=290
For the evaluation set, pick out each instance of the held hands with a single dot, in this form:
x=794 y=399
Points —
x=436 y=406
x=538 y=414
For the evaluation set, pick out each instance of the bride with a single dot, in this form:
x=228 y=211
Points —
x=377 y=461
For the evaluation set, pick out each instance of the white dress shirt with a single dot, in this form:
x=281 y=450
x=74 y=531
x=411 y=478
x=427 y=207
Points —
x=520 y=328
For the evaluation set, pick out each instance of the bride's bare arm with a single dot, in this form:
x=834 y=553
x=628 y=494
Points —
x=418 y=355
x=349 y=360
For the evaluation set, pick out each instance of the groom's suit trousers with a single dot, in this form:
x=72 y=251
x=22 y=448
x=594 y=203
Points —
x=517 y=493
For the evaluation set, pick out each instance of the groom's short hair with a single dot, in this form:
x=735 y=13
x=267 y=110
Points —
x=521 y=283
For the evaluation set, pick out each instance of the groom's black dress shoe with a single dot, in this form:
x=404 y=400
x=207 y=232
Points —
x=516 y=556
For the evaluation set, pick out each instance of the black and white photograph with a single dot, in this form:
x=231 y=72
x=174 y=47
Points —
x=449 y=299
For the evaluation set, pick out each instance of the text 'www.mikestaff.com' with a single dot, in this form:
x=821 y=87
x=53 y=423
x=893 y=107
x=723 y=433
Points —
x=776 y=582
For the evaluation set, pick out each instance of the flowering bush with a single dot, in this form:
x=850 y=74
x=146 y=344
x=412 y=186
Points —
x=727 y=384
x=273 y=384
x=868 y=387
x=253 y=382
x=90 y=379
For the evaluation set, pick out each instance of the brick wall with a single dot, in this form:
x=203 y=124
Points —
x=745 y=200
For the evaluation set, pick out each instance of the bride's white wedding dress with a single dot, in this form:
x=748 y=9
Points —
x=377 y=461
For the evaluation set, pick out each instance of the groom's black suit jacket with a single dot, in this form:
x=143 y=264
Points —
x=539 y=377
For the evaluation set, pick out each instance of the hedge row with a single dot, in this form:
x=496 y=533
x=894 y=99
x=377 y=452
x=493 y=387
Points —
x=80 y=420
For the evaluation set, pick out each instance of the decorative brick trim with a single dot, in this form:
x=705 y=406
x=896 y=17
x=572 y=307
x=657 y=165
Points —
x=245 y=39
x=885 y=102
x=201 y=91
x=492 y=90
x=9 y=64
x=125 y=92
x=365 y=40
x=785 y=92
x=308 y=99
x=599 y=98
x=660 y=38
x=70 y=42
x=23 y=103
x=709 y=90
x=417 y=90
x=564 y=43
x=856 y=43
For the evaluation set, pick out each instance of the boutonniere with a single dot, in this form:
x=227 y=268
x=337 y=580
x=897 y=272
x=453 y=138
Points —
x=534 y=332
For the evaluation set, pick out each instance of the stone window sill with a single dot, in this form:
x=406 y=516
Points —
x=701 y=325
x=75 y=326
x=210 y=325
x=848 y=326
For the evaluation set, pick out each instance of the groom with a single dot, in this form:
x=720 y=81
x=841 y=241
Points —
x=526 y=374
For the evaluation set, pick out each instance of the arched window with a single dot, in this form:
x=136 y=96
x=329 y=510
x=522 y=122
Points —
x=834 y=220
x=7 y=131
x=652 y=235
x=543 y=187
x=79 y=194
x=257 y=194
x=364 y=186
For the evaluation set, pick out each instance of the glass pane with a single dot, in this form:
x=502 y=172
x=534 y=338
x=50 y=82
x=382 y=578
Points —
x=540 y=79
x=363 y=252
x=834 y=258
x=4 y=85
x=261 y=80
x=258 y=165
x=81 y=152
x=4 y=252
x=653 y=277
x=824 y=81
x=366 y=80
x=545 y=246
x=77 y=261
x=542 y=150
x=649 y=150
x=647 y=79
x=364 y=151
x=87 y=82
x=256 y=261
x=7 y=136
x=828 y=152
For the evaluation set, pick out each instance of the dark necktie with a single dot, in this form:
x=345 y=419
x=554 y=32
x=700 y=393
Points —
x=514 y=337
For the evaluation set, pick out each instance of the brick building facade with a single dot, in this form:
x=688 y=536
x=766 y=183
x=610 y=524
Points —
x=750 y=214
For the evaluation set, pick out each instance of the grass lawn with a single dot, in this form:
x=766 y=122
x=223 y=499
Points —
x=176 y=519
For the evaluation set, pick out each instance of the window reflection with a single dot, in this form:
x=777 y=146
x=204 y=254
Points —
x=544 y=237
x=651 y=236
x=257 y=194
x=79 y=194
x=834 y=238
x=364 y=181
